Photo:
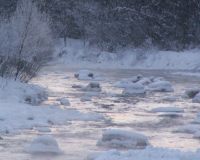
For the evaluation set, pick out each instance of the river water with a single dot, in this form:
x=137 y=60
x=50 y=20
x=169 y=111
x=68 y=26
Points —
x=79 y=138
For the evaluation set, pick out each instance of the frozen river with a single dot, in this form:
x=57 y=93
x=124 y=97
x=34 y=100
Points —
x=78 y=138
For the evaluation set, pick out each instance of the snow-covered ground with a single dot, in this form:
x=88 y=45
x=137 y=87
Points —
x=76 y=54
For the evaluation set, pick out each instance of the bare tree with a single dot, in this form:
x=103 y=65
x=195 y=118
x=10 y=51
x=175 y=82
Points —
x=27 y=41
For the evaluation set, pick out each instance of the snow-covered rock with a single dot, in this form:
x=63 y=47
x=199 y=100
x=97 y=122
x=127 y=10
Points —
x=145 y=81
x=93 y=87
x=191 y=93
x=167 y=109
x=37 y=98
x=128 y=82
x=64 y=101
x=116 y=138
x=161 y=86
x=196 y=99
x=84 y=75
x=136 y=78
x=88 y=75
x=150 y=153
x=134 y=89
x=43 y=144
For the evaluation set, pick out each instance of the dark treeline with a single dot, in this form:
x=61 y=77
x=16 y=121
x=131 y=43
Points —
x=111 y=24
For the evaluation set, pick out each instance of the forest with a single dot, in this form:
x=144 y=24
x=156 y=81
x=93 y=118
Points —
x=114 y=24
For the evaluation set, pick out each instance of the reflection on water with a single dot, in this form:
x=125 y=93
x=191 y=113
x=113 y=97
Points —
x=79 y=138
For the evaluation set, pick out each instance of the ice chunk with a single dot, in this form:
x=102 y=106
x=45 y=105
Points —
x=43 y=144
x=123 y=139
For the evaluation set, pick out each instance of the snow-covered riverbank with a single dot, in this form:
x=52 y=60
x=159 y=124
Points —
x=20 y=108
x=76 y=54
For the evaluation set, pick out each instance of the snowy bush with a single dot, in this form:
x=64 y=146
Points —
x=25 y=42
